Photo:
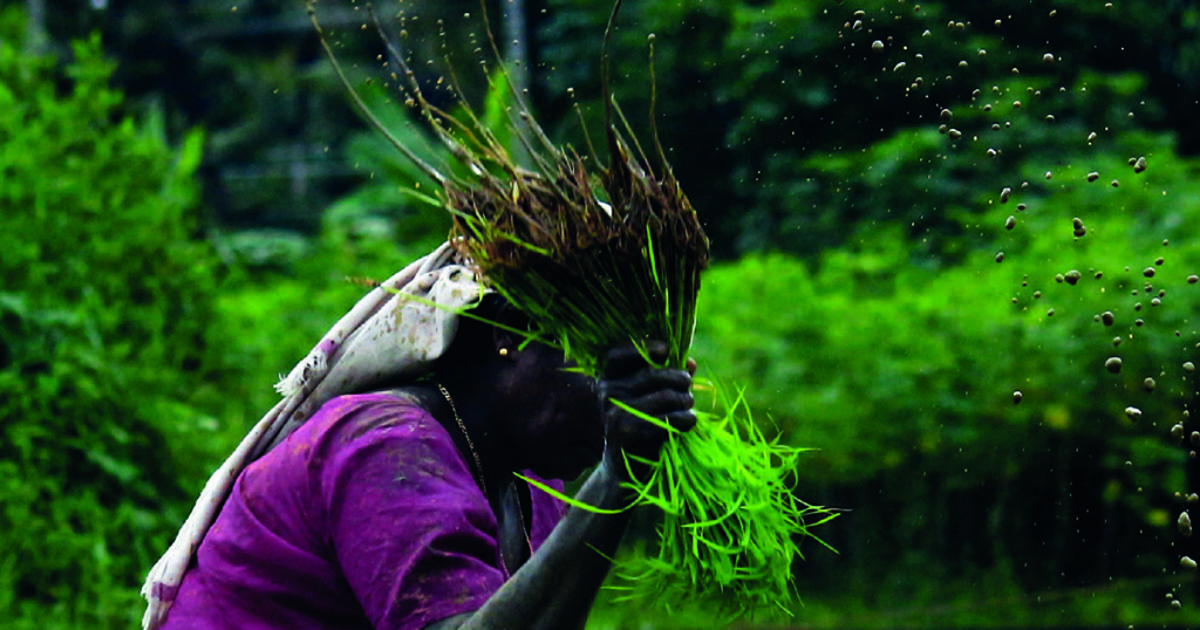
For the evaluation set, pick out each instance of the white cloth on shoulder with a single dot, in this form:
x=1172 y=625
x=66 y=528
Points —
x=393 y=333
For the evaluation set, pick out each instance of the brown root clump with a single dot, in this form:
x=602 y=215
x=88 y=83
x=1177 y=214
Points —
x=504 y=221
x=590 y=273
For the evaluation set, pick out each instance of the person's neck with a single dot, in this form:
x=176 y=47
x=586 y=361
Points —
x=481 y=420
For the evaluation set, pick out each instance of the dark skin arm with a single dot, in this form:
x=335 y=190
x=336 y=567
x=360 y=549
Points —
x=555 y=589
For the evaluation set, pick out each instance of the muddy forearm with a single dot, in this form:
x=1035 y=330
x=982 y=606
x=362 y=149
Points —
x=557 y=586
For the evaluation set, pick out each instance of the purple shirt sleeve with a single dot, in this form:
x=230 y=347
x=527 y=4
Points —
x=407 y=523
x=366 y=517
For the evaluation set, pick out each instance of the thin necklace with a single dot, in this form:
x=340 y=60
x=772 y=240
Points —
x=479 y=466
x=470 y=444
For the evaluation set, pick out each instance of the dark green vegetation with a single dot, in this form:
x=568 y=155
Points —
x=104 y=307
x=856 y=292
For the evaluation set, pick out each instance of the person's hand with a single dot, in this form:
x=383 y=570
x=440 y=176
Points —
x=659 y=392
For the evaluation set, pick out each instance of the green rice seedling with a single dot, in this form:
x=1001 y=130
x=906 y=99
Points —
x=603 y=256
x=731 y=523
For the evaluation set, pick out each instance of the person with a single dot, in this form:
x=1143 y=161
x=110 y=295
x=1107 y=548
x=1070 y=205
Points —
x=395 y=505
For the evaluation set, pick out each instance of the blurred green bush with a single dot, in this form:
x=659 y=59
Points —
x=107 y=291
x=902 y=370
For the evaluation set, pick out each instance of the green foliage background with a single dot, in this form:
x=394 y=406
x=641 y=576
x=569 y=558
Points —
x=858 y=296
x=104 y=305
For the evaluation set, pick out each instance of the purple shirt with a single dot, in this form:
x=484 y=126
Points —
x=366 y=517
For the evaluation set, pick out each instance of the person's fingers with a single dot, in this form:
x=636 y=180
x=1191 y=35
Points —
x=644 y=439
x=682 y=420
x=647 y=381
x=626 y=359
x=661 y=402
x=658 y=392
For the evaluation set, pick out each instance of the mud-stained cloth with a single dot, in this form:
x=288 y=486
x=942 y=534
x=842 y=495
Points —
x=367 y=516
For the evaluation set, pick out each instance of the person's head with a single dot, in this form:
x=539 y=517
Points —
x=544 y=415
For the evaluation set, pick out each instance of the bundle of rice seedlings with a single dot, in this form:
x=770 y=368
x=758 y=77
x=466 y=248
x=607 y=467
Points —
x=602 y=257
x=731 y=523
